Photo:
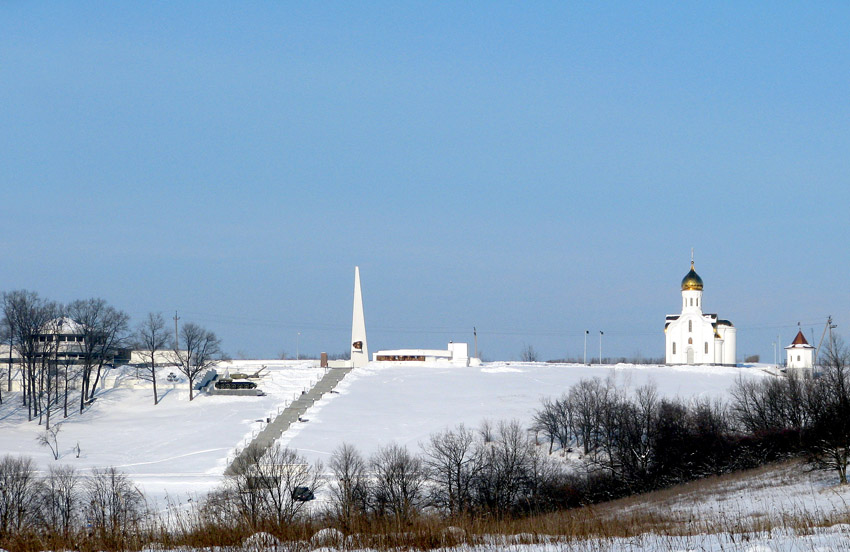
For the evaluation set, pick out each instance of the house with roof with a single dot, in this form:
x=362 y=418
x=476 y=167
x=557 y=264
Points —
x=799 y=355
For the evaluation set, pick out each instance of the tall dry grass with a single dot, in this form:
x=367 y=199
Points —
x=646 y=518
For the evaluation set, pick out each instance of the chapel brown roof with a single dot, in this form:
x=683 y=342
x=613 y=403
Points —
x=800 y=339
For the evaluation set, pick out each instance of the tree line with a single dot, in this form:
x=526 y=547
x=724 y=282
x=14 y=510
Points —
x=60 y=350
x=64 y=507
x=639 y=441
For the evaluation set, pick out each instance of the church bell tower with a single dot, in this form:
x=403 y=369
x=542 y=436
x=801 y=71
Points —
x=692 y=292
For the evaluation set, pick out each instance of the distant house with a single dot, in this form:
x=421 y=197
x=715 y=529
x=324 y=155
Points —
x=456 y=354
x=60 y=342
x=800 y=355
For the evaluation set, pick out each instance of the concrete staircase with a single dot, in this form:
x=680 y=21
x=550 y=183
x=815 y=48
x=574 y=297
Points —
x=291 y=413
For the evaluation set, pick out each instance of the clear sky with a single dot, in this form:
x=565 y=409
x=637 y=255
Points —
x=531 y=169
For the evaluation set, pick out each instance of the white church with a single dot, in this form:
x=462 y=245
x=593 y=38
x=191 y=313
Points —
x=694 y=337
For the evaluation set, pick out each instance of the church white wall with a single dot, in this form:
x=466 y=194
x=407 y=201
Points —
x=694 y=336
x=698 y=330
x=692 y=301
x=800 y=357
x=730 y=344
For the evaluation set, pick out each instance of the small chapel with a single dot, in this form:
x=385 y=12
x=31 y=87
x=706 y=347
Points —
x=694 y=337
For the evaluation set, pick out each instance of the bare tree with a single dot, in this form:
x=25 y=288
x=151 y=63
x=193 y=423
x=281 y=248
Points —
x=399 y=482
x=528 y=354
x=454 y=458
x=830 y=440
x=202 y=351
x=505 y=476
x=272 y=485
x=17 y=493
x=151 y=338
x=6 y=338
x=59 y=499
x=50 y=438
x=548 y=421
x=29 y=316
x=68 y=366
x=350 y=492
x=587 y=398
x=565 y=414
x=114 y=506
x=104 y=329
x=486 y=430
x=636 y=420
x=9 y=334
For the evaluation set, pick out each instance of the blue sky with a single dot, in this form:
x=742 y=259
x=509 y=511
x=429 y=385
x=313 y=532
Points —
x=531 y=169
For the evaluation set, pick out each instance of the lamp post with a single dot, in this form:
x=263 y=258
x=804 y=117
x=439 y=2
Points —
x=585 y=345
x=600 y=346
x=297 y=343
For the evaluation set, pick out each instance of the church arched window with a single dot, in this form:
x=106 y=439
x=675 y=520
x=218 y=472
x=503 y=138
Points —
x=692 y=301
x=690 y=341
x=706 y=347
x=690 y=325
x=674 y=347
x=798 y=358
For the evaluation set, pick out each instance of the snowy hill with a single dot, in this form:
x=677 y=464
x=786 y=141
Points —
x=179 y=447
x=173 y=448
x=383 y=403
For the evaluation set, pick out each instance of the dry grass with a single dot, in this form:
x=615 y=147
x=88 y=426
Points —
x=658 y=515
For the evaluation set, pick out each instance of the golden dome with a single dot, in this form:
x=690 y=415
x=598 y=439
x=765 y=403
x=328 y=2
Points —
x=692 y=280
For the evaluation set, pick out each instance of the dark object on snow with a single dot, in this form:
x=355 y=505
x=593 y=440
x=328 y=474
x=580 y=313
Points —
x=302 y=494
x=229 y=383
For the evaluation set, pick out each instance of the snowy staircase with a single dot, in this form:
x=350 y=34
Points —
x=295 y=410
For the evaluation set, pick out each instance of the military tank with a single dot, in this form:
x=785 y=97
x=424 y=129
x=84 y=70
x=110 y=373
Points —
x=235 y=383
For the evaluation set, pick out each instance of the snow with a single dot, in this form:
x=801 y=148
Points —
x=821 y=539
x=403 y=403
x=175 y=448
x=788 y=489
x=180 y=448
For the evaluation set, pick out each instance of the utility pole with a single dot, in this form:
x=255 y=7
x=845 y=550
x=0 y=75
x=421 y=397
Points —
x=475 y=335
x=586 y=332
x=774 y=354
x=176 y=339
x=297 y=343
x=828 y=328
x=600 y=346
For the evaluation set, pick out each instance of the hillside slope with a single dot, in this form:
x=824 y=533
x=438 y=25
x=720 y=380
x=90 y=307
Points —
x=383 y=403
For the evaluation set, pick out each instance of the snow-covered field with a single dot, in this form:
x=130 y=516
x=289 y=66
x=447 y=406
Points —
x=175 y=448
x=179 y=448
x=382 y=403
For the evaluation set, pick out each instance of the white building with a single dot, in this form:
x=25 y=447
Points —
x=456 y=354
x=696 y=338
x=800 y=355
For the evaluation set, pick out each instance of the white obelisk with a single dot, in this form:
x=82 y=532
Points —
x=359 y=349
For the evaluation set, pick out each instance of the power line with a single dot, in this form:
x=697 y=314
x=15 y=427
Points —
x=531 y=332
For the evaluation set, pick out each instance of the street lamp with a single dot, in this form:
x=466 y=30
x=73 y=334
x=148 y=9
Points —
x=600 y=346
x=585 y=345
x=297 y=343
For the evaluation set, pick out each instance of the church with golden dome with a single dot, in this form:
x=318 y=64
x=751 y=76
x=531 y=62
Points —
x=694 y=337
